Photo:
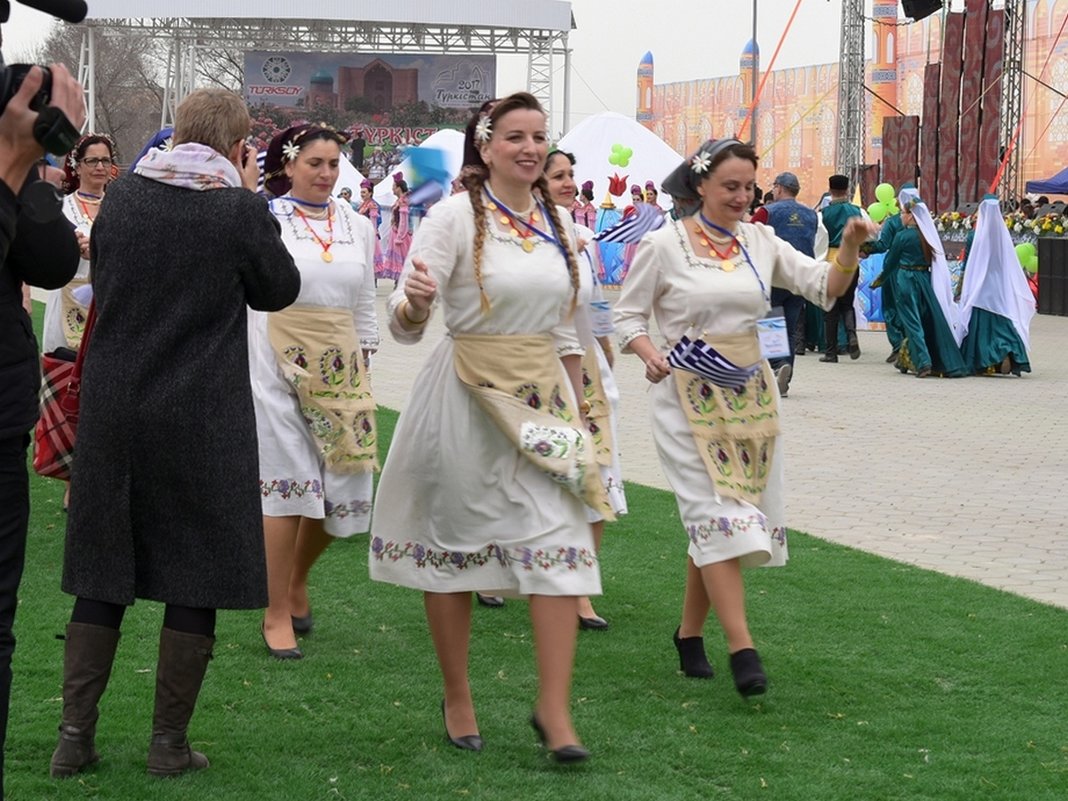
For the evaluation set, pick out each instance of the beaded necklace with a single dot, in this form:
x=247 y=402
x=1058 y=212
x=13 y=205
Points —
x=325 y=244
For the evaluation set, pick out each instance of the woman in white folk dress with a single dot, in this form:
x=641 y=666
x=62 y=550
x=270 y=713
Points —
x=314 y=409
x=708 y=276
x=490 y=464
x=599 y=394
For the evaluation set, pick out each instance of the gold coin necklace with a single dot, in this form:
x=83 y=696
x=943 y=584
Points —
x=523 y=230
x=726 y=258
x=325 y=244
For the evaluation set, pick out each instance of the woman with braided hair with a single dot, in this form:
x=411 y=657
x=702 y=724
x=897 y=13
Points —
x=491 y=463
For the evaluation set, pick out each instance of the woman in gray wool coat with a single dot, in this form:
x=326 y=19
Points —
x=165 y=488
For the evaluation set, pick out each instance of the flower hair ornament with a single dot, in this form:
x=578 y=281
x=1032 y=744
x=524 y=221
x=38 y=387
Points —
x=290 y=151
x=700 y=162
x=483 y=129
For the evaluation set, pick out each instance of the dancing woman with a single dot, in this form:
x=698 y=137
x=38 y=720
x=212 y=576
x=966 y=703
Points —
x=490 y=465
x=709 y=276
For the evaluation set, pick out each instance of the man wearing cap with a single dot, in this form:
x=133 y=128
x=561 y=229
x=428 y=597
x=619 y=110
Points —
x=796 y=224
x=834 y=217
x=346 y=195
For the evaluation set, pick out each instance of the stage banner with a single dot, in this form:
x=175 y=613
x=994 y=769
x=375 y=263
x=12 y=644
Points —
x=971 y=86
x=383 y=91
x=901 y=145
x=929 y=136
x=990 y=130
x=949 y=111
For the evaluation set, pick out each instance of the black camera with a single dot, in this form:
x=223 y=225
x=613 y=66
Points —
x=52 y=130
x=11 y=78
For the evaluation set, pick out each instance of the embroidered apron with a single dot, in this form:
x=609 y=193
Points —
x=319 y=354
x=72 y=313
x=734 y=429
x=517 y=382
x=598 y=421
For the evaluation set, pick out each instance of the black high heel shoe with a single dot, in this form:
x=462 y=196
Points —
x=469 y=742
x=749 y=676
x=303 y=625
x=280 y=653
x=692 y=659
x=565 y=754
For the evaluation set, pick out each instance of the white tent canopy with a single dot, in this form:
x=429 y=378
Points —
x=447 y=140
x=590 y=142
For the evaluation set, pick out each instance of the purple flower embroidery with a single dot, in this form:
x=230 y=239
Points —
x=457 y=558
x=300 y=361
x=706 y=391
x=726 y=527
x=419 y=553
x=543 y=448
x=376 y=545
x=534 y=401
x=338 y=364
x=366 y=426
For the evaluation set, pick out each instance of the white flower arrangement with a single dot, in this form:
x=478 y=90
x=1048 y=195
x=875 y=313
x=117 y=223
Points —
x=483 y=129
x=700 y=163
x=290 y=151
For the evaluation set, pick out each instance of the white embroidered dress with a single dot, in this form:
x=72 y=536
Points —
x=52 y=335
x=293 y=480
x=591 y=290
x=459 y=507
x=693 y=296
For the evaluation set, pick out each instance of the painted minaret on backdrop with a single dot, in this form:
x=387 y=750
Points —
x=645 y=91
x=884 y=72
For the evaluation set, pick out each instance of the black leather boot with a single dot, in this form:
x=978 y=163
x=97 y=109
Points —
x=183 y=660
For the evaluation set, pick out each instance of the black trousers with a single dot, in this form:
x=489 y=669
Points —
x=793 y=307
x=14 y=521
x=842 y=310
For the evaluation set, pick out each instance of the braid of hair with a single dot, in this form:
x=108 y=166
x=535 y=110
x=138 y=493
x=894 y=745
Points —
x=542 y=185
x=474 y=183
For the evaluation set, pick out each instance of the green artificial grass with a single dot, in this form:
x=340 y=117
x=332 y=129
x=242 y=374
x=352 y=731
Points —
x=887 y=682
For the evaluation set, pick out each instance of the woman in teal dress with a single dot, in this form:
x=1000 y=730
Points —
x=926 y=313
x=996 y=302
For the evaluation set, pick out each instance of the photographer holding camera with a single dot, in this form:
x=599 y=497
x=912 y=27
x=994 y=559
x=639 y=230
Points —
x=38 y=247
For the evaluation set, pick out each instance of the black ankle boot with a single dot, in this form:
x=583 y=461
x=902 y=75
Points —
x=692 y=659
x=749 y=676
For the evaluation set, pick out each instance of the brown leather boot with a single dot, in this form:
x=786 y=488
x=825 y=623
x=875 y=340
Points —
x=88 y=653
x=183 y=660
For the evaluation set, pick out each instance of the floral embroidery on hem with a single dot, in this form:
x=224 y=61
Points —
x=545 y=559
x=290 y=488
x=730 y=526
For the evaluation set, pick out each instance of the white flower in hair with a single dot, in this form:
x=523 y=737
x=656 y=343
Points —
x=483 y=128
x=168 y=143
x=290 y=151
x=700 y=163
x=72 y=161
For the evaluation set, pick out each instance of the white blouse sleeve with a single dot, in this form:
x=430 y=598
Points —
x=436 y=244
x=364 y=313
x=566 y=334
x=796 y=272
x=641 y=288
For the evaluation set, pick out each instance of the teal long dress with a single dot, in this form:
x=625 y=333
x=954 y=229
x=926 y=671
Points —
x=891 y=227
x=991 y=338
x=927 y=342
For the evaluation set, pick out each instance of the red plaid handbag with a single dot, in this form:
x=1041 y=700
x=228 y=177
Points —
x=53 y=450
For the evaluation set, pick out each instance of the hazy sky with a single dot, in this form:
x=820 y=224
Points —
x=688 y=40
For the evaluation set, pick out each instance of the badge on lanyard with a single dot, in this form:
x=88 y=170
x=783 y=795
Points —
x=601 y=318
x=774 y=339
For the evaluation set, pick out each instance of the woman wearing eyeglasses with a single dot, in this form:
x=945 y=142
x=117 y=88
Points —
x=86 y=173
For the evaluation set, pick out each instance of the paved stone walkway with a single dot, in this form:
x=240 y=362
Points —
x=965 y=476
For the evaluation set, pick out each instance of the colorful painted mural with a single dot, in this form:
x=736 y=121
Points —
x=797 y=117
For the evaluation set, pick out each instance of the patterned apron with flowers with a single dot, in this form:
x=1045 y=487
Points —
x=598 y=421
x=734 y=429
x=72 y=313
x=319 y=355
x=516 y=379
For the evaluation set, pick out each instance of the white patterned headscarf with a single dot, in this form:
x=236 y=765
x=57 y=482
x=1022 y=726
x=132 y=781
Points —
x=994 y=280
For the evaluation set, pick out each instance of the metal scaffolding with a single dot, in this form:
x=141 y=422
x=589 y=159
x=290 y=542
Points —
x=851 y=90
x=1010 y=187
x=185 y=35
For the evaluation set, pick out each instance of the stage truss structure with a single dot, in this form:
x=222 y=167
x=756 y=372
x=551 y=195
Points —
x=186 y=37
x=851 y=93
x=851 y=102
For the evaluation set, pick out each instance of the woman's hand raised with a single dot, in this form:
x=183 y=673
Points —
x=420 y=288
